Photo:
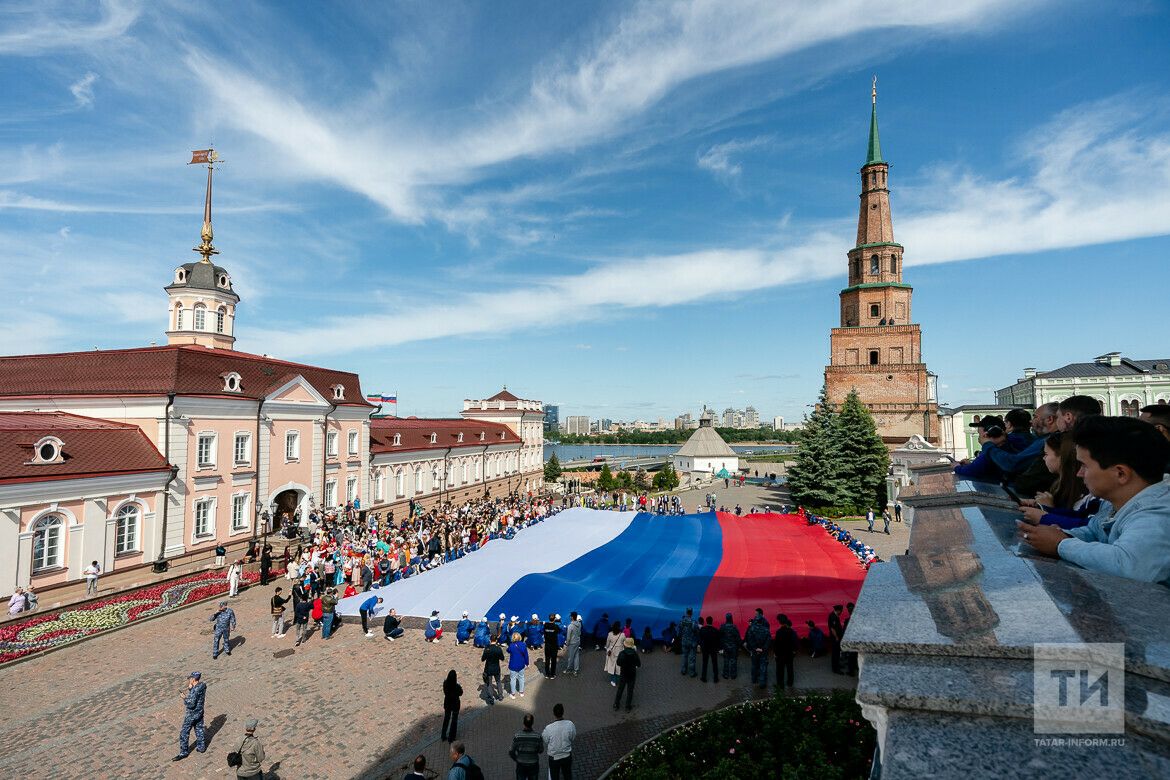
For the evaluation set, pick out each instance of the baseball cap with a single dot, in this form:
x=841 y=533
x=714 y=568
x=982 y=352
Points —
x=194 y=675
x=250 y=724
x=988 y=421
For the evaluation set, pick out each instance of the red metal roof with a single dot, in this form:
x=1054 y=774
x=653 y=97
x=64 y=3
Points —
x=90 y=447
x=416 y=433
x=185 y=369
x=504 y=395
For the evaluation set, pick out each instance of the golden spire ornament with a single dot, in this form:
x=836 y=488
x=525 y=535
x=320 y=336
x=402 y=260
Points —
x=210 y=158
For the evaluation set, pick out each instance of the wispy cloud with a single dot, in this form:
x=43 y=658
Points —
x=1056 y=204
x=569 y=103
x=719 y=159
x=15 y=200
x=48 y=26
x=82 y=89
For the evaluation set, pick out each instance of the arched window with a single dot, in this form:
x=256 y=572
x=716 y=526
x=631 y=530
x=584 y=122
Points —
x=47 y=543
x=180 y=318
x=399 y=483
x=418 y=481
x=435 y=479
x=873 y=357
x=874 y=265
x=893 y=264
x=1129 y=408
x=200 y=317
x=220 y=314
x=126 y=530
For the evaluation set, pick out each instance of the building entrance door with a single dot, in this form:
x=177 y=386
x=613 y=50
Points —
x=287 y=502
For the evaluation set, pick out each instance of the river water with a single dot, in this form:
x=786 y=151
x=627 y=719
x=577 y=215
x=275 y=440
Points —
x=567 y=452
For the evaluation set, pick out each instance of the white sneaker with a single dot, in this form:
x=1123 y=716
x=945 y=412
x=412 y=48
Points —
x=512 y=695
x=280 y=636
x=611 y=682
x=369 y=634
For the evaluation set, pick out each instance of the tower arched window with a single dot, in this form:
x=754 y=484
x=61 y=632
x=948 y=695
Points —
x=200 y=317
x=47 y=543
x=874 y=265
x=126 y=533
x=220 y=316
x=180 y=318
x=874 y=356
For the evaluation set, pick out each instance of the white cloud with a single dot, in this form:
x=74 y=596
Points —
x=82 y=89
x=16 y=200
x=1062 y=201
x=44 y=26
x=570 y=102
x=718 y=158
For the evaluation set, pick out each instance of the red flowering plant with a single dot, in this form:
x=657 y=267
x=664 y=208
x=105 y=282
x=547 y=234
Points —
x=41 y=631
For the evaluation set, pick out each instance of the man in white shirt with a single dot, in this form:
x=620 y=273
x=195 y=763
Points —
x=558 y=744
x=92 y=572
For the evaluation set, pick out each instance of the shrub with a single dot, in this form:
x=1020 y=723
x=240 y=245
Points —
x=815 y=736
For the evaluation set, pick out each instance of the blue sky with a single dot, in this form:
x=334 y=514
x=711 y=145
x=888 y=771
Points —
x=629 y=209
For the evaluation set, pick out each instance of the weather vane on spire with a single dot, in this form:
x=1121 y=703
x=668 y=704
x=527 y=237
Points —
x=875 y=90
x=210 y=158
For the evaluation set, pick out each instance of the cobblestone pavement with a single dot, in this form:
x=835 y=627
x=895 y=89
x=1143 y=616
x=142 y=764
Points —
x=355 y=707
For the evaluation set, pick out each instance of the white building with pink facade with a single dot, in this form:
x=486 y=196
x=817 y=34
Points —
x=139 y=456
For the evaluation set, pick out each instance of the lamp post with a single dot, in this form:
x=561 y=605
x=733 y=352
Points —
x=256 y=519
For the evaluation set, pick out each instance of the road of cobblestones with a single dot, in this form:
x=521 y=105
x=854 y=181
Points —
x=350 y=707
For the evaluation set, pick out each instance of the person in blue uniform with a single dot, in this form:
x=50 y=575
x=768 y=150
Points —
x=193 y=700
x=483 y=634
x=463 y=630
x=225 y=620
x=434 y=630
x=535 y=633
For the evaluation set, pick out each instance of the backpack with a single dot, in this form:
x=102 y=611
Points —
x=236 y=758
x=472 y=771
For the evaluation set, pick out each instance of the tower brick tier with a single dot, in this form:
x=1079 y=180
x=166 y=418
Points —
x=877 y=350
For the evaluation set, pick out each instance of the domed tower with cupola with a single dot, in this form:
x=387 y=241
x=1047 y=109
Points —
x=202 y=303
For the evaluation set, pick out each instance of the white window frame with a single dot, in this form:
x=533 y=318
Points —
x=330 y=493
x=200 y=321
x=331 y=444
x=351 y=485
x=292 y=446
x=240 y=512
x=207 y=506
x=434 y=438
x=463 y=481
x=397 y=439
x=399 y=484
x=379 y=486
x=206 y=460
x=50 y=525
x=418 y=481
x=242 y=443
x=127 y=528
x=220 y=317
x=478 y=470
x=352 y=443
x=180 y=317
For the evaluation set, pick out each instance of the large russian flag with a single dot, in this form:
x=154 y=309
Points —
x=646 y=567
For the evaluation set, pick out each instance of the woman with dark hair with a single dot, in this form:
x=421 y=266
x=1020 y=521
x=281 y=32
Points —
x=1069 y=504
x=452 y=690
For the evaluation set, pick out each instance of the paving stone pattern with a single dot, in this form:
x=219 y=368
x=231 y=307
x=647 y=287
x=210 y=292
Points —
x=353 y=707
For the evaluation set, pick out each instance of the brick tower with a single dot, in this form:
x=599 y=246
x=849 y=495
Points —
x=877 y=350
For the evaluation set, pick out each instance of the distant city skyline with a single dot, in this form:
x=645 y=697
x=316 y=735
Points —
x=610 y=208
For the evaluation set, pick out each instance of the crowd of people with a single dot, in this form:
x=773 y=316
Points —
x=1092 y=488
x=865 y=554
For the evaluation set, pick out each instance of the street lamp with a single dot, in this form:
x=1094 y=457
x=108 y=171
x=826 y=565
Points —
x=256 y=520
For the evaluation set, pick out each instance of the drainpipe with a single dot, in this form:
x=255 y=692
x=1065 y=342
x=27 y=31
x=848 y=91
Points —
x=256 y=464
x=483 y=470
x=446 y=489
x=325 y=454
x=161 y=565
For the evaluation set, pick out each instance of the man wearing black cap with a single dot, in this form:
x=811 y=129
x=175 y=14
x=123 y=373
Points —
x=193 y=699
x=251 y=752
x=991 y=429
x=730 y=640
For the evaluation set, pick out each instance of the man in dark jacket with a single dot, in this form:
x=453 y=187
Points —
x=627 y=664
x=491 y=657
x=730 y=640
x=836 y=631
x=391 y=626
x=756 y=640
x=552 y=632
x=527 y=746
x=688 y=635
x=786 y=643
x=709 y=645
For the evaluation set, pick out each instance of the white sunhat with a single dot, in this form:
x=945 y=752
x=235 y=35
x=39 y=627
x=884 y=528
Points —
x=464 y=613
x=534 y=615
x=504 y=616
x=515 y=618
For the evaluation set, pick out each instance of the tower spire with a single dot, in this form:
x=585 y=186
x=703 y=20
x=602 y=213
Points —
x=874 y=153
x=205 y=247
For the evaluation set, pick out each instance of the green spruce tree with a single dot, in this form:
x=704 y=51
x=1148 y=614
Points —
x=605 y=478
x=865 y=460
x=814 y=479
x=552 y=469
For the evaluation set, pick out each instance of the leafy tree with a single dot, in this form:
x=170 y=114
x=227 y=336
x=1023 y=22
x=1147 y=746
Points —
x=641 y=480
x=625 y=481
x=605 y=481
x=815 y=478
x=667 y=478
x=552 y=469
x=864 y=458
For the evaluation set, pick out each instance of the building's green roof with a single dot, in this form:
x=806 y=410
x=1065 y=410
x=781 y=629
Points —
x=873 y=285
x=874 y=154
x=879 y=243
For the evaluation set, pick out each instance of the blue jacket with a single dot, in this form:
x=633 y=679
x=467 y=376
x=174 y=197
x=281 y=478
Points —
x=369 y=605
x=195 y=697
x=433 y=626
x=517 y=656
x=1014 y=462
x=1133 y=543
x=535 y=634
x=224 y=620
x=482 y=634
x=457 y=771
x=687 y=633
x=463 y=630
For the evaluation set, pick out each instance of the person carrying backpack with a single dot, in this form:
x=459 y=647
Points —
x=250 y=754
x=462 y=766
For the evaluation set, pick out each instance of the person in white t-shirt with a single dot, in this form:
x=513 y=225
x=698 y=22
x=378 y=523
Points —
x=91 y=573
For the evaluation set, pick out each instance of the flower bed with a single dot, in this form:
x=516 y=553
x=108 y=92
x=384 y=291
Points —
x=815 y=736
x=42 y=631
